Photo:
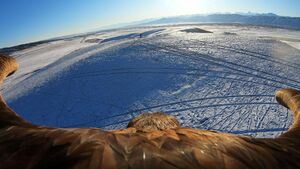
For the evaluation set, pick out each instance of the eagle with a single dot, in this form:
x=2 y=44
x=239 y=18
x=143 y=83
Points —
x=150 y=141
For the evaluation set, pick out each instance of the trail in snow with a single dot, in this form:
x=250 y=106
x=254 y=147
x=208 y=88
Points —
x=218 y=81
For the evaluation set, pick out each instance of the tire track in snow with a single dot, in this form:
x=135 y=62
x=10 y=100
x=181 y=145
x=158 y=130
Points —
x=222 y=63
x=180 y=110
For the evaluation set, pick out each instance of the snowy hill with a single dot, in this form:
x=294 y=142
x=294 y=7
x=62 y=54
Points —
x=217 y=77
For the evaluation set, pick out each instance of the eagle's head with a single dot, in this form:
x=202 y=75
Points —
x=154 y=121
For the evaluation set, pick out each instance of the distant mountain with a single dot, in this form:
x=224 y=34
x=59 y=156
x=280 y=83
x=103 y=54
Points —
x=267 y=19
x=256 y=14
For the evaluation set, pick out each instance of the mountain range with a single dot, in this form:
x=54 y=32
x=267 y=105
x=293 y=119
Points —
x=265 y=19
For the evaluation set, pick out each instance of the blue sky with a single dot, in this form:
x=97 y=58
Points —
x=30 y=20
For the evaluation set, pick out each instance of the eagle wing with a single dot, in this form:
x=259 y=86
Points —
x=180 y=148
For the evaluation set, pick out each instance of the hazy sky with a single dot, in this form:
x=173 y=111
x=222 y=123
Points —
x=30 y=20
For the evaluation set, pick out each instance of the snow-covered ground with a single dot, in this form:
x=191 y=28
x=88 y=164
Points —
x=224 y=81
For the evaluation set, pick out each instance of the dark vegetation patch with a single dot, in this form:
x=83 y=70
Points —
x=229 y=33
x=195 y=30
x=95 y=40
x=9 y=50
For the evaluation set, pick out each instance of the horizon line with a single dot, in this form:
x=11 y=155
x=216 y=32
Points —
x=133 y=24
